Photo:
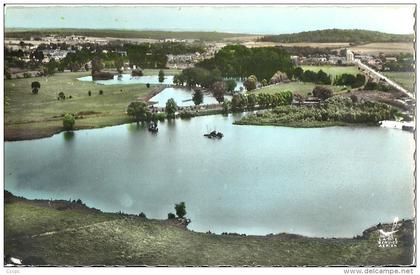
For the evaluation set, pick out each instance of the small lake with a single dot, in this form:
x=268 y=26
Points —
x=128 y=79
x=151 y=79
x=182 y=97
x=325 y=182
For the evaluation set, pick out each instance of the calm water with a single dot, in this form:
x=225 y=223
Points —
x=151 y=79
x=319 y=182
x=182 y=97
x=128 y=79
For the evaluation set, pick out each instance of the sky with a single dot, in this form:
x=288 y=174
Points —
x=235 y=19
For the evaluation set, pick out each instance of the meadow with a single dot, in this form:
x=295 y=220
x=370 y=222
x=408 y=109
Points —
x=405 y=79
x=30 y=116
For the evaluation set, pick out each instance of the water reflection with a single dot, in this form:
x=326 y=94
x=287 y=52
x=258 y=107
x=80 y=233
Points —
x=68 y=136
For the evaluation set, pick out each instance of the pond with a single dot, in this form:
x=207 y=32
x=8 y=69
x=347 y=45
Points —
x=128 y=79
x=182 y=97
x=151 y=79
x=325 y=182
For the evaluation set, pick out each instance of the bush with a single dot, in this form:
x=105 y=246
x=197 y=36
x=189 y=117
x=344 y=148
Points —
x=180 y=209
x=68 y=121
x=142 y=215
x=148 y=85
x=61 y=96
x=101 y=92
x=89 y=93
x=186 y=114
x=322 y=92
x=158 y=116
x=171 y=216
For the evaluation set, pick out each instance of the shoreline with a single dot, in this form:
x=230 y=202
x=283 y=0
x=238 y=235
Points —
x=36 y=230
x=72 y=205
x=30 y=134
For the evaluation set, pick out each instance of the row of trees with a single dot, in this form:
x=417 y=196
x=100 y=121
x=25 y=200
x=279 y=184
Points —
x=350 y=80
x=241 y=102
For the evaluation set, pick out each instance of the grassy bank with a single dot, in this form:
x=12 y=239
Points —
x=405 y=79
x=32 y=116
x=295 y=87
x=65 y=233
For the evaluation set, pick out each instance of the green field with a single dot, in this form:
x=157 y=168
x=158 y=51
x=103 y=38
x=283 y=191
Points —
x=332 y=70
x=58 y=233
x=405 y=79
x=31 y=116
x=295 y=87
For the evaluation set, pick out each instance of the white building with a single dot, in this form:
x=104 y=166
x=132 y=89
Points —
x=349 y=56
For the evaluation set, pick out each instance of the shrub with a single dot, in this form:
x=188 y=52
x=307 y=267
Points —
x=354 y=98
x=148 y=85
x=180 y=209
x=89 y=93
x=159 y=116
x=68 y=121
x=171 y=216
x=186 y=114
x=61 y=96
x=142 y=215
x=322 y=92
x=70 y=97
x=101 y=92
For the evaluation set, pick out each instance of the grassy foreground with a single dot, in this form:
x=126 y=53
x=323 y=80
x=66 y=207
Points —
x=28 y=116
x=64 y=233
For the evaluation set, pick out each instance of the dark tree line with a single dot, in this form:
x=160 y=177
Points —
x=239 y=61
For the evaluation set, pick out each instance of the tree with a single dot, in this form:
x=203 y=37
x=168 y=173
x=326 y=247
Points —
x=171 y=216
x=197 y=97
x=250 y=83
x=171 y=108
x=180 y=209
x=35 y=87
x=119 y=64
x=139 y=110
x=322 y=92
x=252 y=101
x=230 y=85
x=278 y=77
x=236 y=102
x=68 y=122
x=297 y=73
x=89 y=93
x=226 y=106
x=219 y=90
x=97 y=65
x=264 y=82
x=61 y=96
x=148 y=85
x=161 y=76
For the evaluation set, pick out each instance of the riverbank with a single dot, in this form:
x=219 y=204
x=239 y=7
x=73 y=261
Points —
x=47 y=232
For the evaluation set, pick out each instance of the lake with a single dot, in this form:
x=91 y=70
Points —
x=182 y=97
x=151 y=79
x=325 y=182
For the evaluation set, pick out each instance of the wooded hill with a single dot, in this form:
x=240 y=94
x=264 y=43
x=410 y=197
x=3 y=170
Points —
x=338 y=35
x=212 y=36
